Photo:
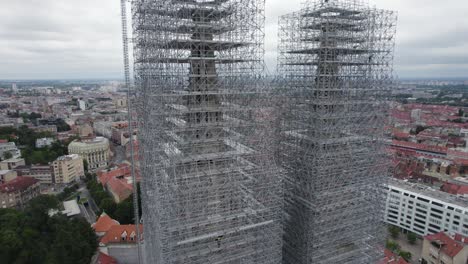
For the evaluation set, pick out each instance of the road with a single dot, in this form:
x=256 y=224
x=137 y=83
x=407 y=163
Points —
x=88 y=211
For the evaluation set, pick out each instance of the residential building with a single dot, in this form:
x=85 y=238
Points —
x=424 y=210
x=11 y=163
x=441 y=248
x=120 y=242
x=46 y=128
x=68 y=168
x=103 y=224
x=43 y=173
x=96 y=151
x=7 y=175
x=9 y=147
x=44 y=142
x=17 y=192
x=103 y=128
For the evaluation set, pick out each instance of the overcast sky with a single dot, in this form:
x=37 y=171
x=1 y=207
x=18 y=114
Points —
x=59 y=39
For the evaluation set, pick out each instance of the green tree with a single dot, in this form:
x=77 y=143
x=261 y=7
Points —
x=124 y=212
x=108 y=205
x=394 y=231
x=406 y=255
x=33 y=236
x=392 y=246
x=7 y=155
x=411 y=237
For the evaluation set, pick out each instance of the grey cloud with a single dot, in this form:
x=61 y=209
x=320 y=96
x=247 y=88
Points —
x=82 y=39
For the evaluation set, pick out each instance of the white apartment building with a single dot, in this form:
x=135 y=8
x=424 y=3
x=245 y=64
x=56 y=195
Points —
x=424 y=210
x=44 y=142
x=9 y=147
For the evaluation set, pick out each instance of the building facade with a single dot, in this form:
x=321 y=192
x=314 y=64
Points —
x=424 y=211
x=67 y=169
x=17 y=192
x=96 y=151
x=441 y=248
x=7 y=175
x=334 y=73
x=12 y=163
x=43 y=173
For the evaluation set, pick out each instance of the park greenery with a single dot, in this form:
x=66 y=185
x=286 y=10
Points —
x=122 y=212
x=25 y=139
x=32 y=236
x=394 y=247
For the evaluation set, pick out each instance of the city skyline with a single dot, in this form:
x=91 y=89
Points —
x=54 y=40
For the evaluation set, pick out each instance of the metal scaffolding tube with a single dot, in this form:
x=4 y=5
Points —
x=335 y=75
x=210 y=190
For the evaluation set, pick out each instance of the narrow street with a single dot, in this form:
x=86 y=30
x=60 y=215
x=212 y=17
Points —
x=88 y=211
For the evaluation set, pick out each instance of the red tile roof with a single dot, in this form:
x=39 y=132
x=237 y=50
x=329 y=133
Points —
x=121 y=234
x=121 y=171
x=105 y=259
x=392 y=258
x=104 y=223
x=120 y=187
x=454 y=188
x=18 y=184
x=449 y=246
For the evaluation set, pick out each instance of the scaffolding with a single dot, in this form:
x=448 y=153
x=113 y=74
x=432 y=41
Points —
x=210 y=192
x=335 y=66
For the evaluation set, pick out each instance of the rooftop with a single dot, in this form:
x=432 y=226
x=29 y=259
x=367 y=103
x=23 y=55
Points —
x=392 y=258
x=18 y=184
x=105 y=259
x=13 y=160
x=429 y=192
x=68 y=157
x=447 y=245
x=71 y=208
x=121 y=234
x=104 y=223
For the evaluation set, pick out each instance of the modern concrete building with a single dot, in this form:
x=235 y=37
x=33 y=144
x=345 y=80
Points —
x=12 y=163
x=96 y=151
x=17 y=192
x=67 y=168
x=120 y=242
x=441 y=248
x=423 y=210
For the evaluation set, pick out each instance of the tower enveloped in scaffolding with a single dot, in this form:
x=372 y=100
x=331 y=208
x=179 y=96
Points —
x=336 y=65
x=209 y=191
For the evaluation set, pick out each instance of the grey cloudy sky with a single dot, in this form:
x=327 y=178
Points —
x=57 y=39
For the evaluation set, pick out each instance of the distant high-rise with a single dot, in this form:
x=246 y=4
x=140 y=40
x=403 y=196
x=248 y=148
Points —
x=209 y=191
x=336 y=65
